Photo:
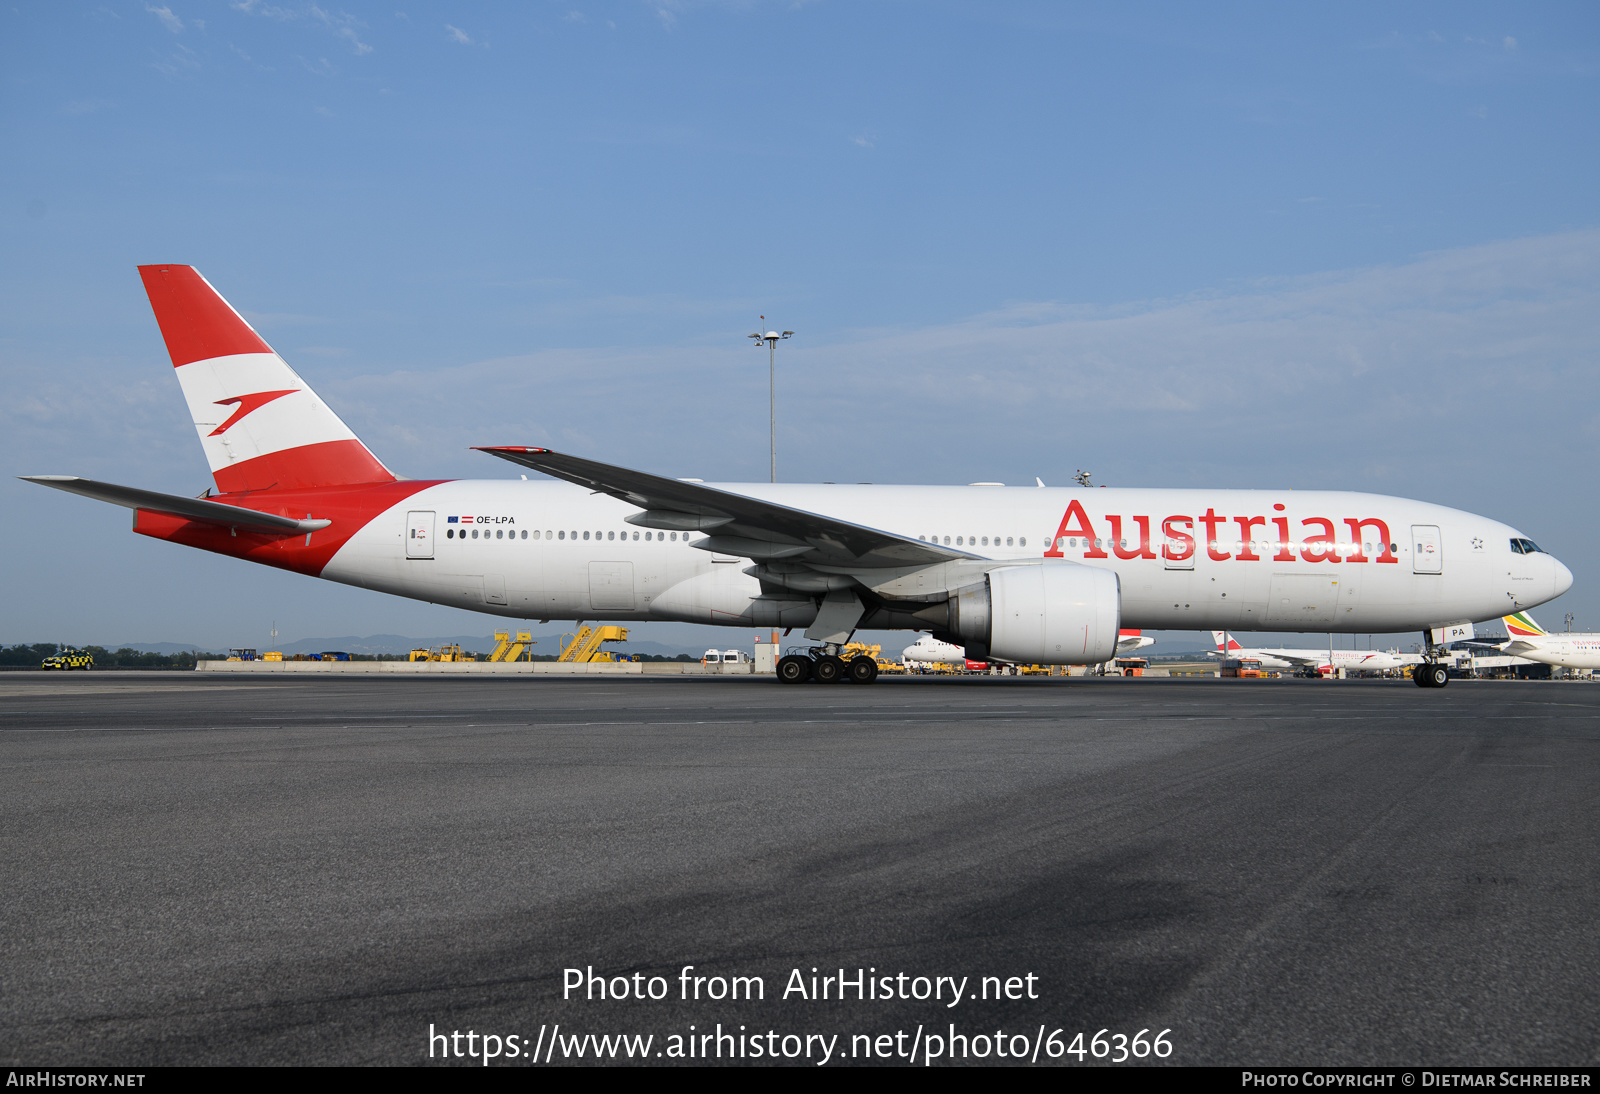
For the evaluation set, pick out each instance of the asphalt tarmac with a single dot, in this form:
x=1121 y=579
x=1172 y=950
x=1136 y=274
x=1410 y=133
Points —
x=204 y=869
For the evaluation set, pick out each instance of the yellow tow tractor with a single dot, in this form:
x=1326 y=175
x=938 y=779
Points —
x=442 y=653
x=68 y=659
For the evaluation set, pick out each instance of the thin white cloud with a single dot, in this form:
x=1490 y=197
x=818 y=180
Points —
x=341 y=24
x=168 y=20
x=86 y=106
x=456 y=34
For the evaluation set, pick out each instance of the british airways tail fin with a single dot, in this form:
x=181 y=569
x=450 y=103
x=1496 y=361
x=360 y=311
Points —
x=1521 y=625
x=261 y=427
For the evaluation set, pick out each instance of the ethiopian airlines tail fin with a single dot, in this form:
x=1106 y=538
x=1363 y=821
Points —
x=261 y=427
x=1233 y=643
x=1521 y=625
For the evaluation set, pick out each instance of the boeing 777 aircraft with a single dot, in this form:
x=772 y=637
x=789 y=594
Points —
x=1028 y=575
x=1528 y=639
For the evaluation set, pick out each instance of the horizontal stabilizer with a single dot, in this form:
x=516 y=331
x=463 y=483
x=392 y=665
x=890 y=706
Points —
x=199 y=509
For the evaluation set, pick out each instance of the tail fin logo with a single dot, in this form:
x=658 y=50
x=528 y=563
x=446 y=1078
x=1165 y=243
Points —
x=1521 y=625
x=247 y=404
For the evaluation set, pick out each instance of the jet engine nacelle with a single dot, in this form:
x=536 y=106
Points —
x=1051 y=614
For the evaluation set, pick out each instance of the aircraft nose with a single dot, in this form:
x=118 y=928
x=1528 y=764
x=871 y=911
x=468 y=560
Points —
x=1563 y=577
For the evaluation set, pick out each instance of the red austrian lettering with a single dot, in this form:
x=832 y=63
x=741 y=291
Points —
x=1119 y=546
x=1386 y=554
x=1285 y=544
x=1211 y=520
x=1320 y=548
x=1246 y=544
x=1084 y=528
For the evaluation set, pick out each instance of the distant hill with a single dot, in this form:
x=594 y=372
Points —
x=374 y=644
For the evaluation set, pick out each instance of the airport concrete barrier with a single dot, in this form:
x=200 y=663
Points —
x=498 y=668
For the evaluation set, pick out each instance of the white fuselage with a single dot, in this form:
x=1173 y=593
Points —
x=928 y=650
x=1283 y=658
x=1573 y=651
x=1189 y=559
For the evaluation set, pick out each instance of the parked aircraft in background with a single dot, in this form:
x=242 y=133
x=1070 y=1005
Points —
x=1528 y=639
x=929 y=650
x=1321 y=660
x=1025 y=575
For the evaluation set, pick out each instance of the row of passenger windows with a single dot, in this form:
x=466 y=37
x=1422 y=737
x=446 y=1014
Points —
x=973 y=541
x=501 y=533
x=1263 y=546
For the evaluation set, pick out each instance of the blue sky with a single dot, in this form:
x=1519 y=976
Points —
x=1346 y=246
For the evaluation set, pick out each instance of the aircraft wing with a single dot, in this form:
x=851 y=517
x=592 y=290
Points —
x=198 y=509
x=1517 y=647
x=1295 y=657
x=735 y=524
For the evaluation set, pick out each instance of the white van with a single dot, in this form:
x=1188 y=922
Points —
x=735 y=657
x=712 y=657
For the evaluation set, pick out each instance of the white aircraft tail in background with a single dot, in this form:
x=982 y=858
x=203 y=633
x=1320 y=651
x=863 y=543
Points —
x=1529 y=640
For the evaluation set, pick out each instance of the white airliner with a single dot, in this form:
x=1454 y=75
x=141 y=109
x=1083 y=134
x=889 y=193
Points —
x=1281 y=658
x=928 y=650
x=1528 y=639
x=1027 y=575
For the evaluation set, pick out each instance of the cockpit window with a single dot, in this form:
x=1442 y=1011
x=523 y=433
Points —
x=1526 y=547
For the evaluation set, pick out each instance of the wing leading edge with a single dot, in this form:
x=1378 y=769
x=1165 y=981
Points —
x=735 y=523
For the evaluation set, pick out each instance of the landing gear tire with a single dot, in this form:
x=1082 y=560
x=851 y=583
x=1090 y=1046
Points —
x=828 y=670
x=1430 y=676
x=794 y=669
x=863 y=670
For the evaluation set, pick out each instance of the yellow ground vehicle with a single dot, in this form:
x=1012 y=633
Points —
x=442 y=653
x=585 y=645
x=68 y=659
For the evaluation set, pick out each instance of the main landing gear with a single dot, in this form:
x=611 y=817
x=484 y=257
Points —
x=824 y=665
x=1430 y=674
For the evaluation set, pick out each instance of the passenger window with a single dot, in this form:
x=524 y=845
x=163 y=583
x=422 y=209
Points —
x=674 y=537
x=647 y=537
x=947 y=541
x=563 y=535
x=611 y=535
x=474 y=533
x=449 y=533
x=1008 y=541
x=958 y=541
x=499 y=533
x=1023 y=542
x=524 y=535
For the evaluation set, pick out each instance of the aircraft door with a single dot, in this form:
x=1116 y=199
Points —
x=611 y=586
x=1427 y=549
x=419 y=535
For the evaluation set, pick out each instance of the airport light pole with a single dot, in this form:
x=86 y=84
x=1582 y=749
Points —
x=772 y=338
